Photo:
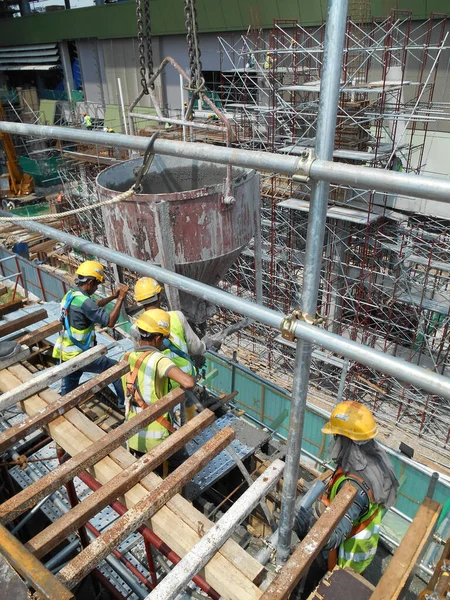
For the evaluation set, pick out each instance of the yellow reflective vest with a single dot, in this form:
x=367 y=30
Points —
x=72 y=341
x=149 y=385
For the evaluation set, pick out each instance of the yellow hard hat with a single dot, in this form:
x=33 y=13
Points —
x=91 y=268
x=146 y=288
x=353 y=420
x=154 y=321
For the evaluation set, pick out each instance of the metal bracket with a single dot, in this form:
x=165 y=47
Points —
x=306 y=159
x=289 y=323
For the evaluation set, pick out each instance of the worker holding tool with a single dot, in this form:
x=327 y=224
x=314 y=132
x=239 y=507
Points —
x=79 y=315
x=148 y=380
x=183 y=346
x=362 y=461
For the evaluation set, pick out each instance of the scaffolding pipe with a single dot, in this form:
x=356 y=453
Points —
x=434 y=383
x=328 y=104
x=214 y=539
x=408 y=184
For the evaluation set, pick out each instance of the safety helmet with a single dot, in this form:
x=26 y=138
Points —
x=154 y=321
x=91 y=268
x=146 y=288
x=353 y=420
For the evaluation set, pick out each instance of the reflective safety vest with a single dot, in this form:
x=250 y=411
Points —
x=87 y=121
x=177 y=339
x=140 y=389
x=358 y=550
x=72 y=341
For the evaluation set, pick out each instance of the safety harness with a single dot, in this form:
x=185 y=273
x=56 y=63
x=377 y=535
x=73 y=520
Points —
x=64 y=318
x=133 y=393
x=367 y=518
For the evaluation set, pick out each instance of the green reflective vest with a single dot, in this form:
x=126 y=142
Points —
x=177 y=338
x=358 y=550
x=65 y=347
x=155 y=433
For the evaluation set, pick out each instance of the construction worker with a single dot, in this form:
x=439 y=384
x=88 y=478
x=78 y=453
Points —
x=183 y=346
x=87 y=121
x=79 y=315
x=268 y=63
x=148 y=380
x=361 y=460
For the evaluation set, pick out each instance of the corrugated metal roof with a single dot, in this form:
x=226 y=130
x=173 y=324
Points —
x=40 y=57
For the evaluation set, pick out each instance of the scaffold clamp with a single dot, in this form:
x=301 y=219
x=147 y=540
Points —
x=289 y=323
x=306 y=159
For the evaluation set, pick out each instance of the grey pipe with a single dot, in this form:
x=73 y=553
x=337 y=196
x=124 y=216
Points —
x=328 y=105
x=433 y=383
x=317 y=488
x=417 y=186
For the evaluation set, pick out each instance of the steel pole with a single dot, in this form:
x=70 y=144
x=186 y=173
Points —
x=328 y=105
x=397 y=367
x=408 y=184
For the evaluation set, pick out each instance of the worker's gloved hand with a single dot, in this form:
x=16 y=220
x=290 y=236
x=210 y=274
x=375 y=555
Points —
x=303 y=522
x=211 y=342
x=199 y=361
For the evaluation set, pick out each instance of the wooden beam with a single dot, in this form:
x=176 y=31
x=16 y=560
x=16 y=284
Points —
x=231 y=571
x=58 y=531
x=49 y=376
x=10 y=307
x=304 y=555
x=22 y=322
x=32 y=338
x=32 y=570
x=409 y=552
x=23 y=354
x=88 y=559
x=29 y=496
x=64 y=404
x=3 y=289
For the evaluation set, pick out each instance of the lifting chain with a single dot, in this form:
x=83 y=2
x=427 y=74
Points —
x=195 y=64
x=144 y=36
x=289 y=323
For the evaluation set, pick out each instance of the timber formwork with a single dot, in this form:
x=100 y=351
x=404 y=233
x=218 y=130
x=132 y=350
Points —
x=147 y=504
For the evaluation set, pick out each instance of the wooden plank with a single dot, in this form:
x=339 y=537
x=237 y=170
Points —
x=48 y=539
x=37 y=335
x=10 y=307
x=3 y=289
x=32 y=570
x=77 y=569
x=15 y=358
x=64 y=404
x=29 y=496
x=231 y=571
x=22 y=322
x=408 y=553
x=304 y=555
x=49 y=376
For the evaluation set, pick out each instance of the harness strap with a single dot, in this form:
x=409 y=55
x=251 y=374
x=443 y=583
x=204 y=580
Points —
x=133 y=389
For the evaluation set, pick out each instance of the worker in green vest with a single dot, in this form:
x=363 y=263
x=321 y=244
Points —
x=79 y=315
x=361 y=460
x=148 y=380
x=183 y=346
x=87 y=121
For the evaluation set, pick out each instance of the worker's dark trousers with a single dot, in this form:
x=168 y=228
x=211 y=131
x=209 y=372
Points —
x=311 y=580
x=70 y=382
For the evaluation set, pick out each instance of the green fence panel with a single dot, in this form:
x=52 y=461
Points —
x=265 y=402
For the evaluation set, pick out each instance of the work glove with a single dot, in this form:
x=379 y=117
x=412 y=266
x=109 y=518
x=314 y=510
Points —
x=211 y=342
x=199 y=361
x=303 y=521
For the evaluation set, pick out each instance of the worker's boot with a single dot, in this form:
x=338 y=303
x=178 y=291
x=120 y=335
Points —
x=190 y=412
